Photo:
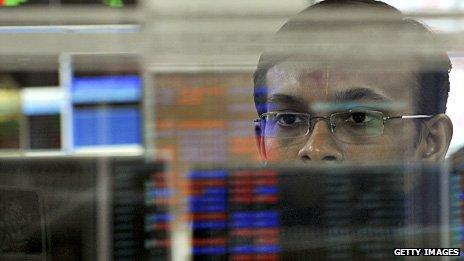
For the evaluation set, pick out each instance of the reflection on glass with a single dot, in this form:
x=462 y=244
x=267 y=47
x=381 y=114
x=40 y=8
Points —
x=179 y=130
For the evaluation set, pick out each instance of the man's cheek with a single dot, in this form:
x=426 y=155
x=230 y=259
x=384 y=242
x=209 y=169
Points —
x=278 y=150
x=400 y=146
x=384 y=150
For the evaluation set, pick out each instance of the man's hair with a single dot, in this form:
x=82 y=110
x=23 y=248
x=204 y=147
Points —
x=432 y=78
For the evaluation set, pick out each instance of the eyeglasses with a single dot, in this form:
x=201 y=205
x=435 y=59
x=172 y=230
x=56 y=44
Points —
x=352 y=126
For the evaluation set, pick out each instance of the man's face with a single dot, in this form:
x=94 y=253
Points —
x=319 y=92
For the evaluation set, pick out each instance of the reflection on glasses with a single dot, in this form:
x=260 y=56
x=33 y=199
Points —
x=349 y=126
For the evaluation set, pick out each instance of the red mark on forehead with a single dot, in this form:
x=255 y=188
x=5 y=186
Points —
x=319 y=78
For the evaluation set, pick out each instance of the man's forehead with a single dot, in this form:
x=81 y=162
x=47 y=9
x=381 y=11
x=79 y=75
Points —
x=288 y=76
x=317 y=82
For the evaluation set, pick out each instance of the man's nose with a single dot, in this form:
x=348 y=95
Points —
x=321 y=145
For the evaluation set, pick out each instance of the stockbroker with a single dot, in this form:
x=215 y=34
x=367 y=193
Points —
x=352 y=80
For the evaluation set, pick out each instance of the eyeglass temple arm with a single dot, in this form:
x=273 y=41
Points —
x=408 y=117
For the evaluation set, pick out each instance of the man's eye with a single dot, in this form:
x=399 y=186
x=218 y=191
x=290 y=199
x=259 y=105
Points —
x=288 y=119
x=359 y=118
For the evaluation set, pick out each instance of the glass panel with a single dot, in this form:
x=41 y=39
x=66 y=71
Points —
x=128 y=129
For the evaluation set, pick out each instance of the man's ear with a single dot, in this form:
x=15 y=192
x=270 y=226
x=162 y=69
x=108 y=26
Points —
x=259 y=139
x=436 y=138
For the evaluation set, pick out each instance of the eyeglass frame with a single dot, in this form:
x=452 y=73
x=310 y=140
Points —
x=332 y=125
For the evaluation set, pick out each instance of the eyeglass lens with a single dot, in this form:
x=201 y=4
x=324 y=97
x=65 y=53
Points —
x=346 y=126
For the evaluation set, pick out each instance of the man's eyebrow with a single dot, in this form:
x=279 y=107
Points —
x=359 y=93
x=285 y=99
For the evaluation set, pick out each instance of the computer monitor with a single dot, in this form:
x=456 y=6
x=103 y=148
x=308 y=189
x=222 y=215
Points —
x=82 y=208
x=59 y=192
x=23 y=233
x=140 y=211
x=456 y=199
x=318 y=212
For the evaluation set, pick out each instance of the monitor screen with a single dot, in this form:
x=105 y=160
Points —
x=66 y=189
x=295 y=213
x=136 y=206
x=79 y=208
x=22 y=225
